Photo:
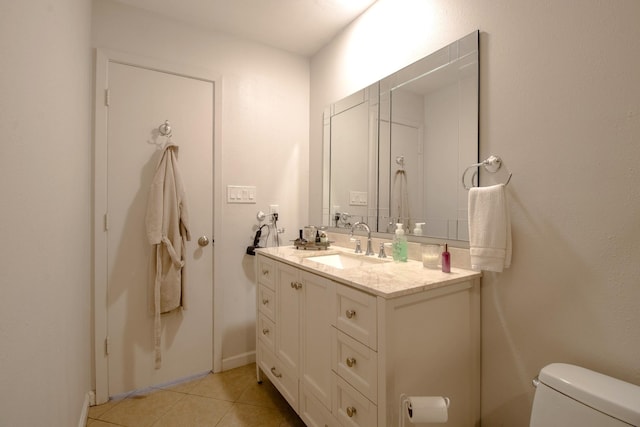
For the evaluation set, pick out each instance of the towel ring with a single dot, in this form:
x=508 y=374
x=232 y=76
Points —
x=492 y=164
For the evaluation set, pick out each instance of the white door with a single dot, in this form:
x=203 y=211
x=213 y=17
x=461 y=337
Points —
x=139 y=102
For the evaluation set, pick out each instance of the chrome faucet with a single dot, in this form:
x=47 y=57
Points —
x=363 y=225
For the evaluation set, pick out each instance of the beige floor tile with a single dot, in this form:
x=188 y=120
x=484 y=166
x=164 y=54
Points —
x=291 y=419
x=264 y=394
x=184 y=387
x=98 y=410
x=142 y=410
x=226 y=386
x=194 y=411
x=242 y=415
x=98 y=423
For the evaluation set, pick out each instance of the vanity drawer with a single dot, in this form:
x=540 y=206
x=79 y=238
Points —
x=266 y=301
x=356 y=315
x=286 y=383
x=313 y=412
x=267 y=332
x=350 y=407
x=266 y=271
x=356 y=363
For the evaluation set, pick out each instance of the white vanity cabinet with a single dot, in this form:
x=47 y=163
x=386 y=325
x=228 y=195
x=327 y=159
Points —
x=343 y=353
x=294 y=334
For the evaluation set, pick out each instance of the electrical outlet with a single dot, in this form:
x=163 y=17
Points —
x=274 y=209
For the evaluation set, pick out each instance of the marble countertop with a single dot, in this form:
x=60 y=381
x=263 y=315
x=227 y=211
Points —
x=386 y=278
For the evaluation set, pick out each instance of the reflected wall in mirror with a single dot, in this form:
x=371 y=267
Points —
x=410 y=142
x=353 y=155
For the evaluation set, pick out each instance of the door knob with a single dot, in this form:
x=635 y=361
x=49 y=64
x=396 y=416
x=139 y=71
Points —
x=203 y=241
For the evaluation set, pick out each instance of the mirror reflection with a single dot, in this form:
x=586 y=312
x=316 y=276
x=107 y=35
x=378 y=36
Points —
x=395 y=151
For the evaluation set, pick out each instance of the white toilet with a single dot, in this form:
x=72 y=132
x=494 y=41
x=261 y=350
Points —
x=571 y=396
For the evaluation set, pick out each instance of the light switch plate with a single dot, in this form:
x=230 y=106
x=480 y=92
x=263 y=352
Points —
x=357 y=198
x=241 y=194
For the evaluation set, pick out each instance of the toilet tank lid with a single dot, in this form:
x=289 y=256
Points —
x=614 y=397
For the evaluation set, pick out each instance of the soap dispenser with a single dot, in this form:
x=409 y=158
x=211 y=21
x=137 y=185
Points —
x=399 y=244
x=418 y=230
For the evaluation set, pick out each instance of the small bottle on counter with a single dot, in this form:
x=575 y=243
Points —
x=446 y=260
x=399 y=246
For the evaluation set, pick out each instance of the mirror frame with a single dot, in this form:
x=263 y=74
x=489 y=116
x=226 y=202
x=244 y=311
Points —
x=459 y=55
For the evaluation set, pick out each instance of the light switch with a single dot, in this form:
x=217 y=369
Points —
x=357 y=198
x=241 y=194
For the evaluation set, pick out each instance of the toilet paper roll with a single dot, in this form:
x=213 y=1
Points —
x=427 y=409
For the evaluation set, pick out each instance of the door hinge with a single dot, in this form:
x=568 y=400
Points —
x=106 y=346
x=107 y=98
x=106 y=221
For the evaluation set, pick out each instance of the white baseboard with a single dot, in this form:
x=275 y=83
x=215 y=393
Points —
x=89 y=400
x=238 y=360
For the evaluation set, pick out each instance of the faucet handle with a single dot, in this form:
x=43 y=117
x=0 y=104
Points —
x=358 y=247
x=382 y=253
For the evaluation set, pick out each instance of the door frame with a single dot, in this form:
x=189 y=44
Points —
x=100 y=321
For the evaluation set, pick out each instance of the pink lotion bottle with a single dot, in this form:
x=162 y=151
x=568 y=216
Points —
x=446 y=260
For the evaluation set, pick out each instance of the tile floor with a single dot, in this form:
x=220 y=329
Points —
x=228 y=399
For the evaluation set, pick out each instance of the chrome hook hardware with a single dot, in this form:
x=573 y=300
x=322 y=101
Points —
x=350 y=362
x=165 y=129
x=350 y=313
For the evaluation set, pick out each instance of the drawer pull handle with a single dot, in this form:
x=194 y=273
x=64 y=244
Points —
x=265 y=331
x=265 y=301
x=350 y=313
x=351 y=361
x=276 y=373
x=351 y=411
x=296 y=285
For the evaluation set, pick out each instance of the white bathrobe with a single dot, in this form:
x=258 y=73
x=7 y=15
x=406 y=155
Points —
x=167 y=223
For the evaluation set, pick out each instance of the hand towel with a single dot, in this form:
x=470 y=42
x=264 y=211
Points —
x=489 y=228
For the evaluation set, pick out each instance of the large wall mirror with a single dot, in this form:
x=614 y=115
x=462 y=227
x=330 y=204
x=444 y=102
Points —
x=394 y=152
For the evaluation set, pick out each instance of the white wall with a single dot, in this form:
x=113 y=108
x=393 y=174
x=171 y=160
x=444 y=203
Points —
x=560 y=102
x=265 y=97
x=45 y=256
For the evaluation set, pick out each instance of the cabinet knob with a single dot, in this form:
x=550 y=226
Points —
x=265 y=272
x=276 y=373
x=296 y=285
x=265 y=331
x=351 y=411
x=265 y=301
x=351 y=361
x=350 y=313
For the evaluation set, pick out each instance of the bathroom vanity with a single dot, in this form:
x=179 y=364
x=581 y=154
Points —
x=342 y=336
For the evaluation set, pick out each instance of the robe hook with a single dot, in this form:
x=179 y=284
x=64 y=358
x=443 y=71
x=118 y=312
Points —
x=165 y=129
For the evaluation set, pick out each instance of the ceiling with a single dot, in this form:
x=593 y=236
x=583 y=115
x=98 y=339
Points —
x=298 y=26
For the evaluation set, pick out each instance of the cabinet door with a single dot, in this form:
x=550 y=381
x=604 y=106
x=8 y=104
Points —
x=288 y=291
x=317 y=295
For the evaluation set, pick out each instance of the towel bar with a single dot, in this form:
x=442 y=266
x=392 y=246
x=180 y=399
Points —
x=491 y=164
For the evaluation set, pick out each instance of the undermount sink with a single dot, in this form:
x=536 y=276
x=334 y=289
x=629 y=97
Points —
x=344 y=261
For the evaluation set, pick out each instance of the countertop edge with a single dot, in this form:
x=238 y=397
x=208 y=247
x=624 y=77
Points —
x=408 y=278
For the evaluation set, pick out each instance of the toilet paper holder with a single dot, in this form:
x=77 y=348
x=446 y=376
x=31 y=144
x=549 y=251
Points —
x=422 y=409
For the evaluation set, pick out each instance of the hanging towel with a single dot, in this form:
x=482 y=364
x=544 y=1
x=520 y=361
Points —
x=167 y=223
x=489 y=228
x=400 y=205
